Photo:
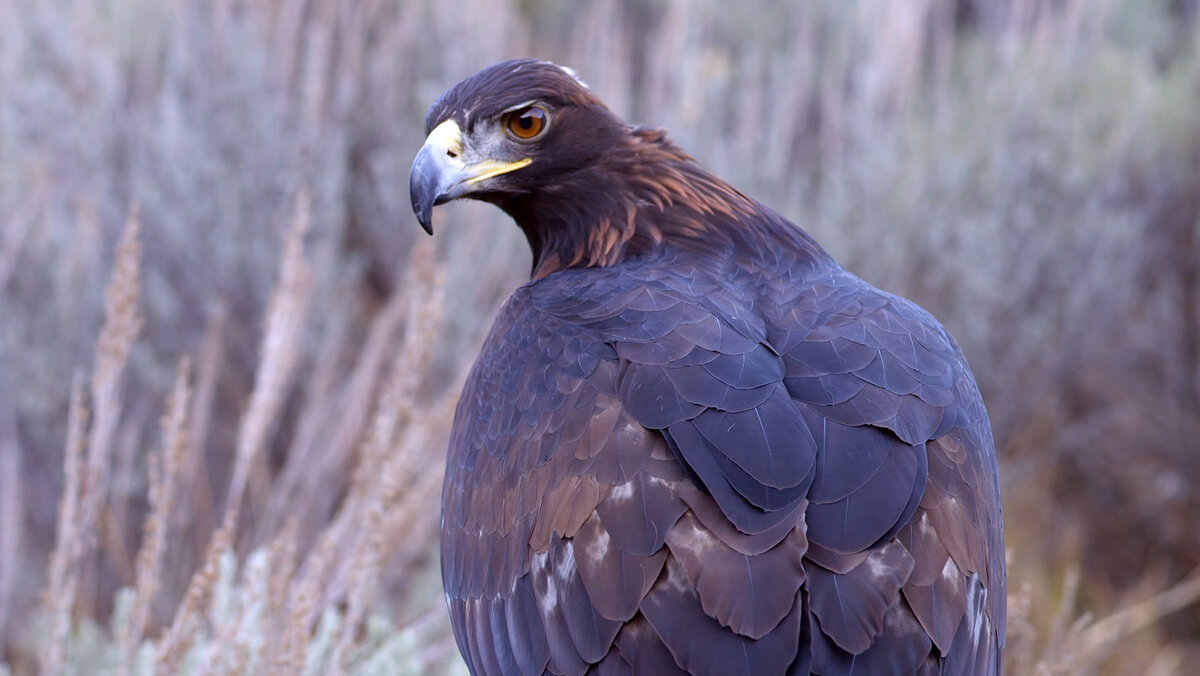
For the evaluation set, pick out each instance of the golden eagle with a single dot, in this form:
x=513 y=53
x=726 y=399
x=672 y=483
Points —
x=694 y=443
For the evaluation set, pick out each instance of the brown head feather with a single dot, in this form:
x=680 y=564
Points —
x=599 y=190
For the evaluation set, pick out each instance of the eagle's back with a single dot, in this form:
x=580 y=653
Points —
x=753 y=463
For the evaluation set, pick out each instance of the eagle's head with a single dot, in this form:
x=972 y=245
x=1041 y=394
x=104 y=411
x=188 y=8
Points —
x=586 y=188
x=510 y=132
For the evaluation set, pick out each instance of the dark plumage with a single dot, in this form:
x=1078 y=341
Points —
x=694 y=443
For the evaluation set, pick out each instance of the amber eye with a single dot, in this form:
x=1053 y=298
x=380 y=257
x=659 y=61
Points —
x=526 y=123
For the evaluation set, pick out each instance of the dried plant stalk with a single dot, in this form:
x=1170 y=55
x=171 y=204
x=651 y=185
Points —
x=393 y=408
x=303 y=488
x=164 y=474
x=86 y=476
x=384 y=464
x=231 y=647
x=197 y=516
x=12 y=508
x=366 y=563
x=1101 y=637
x=122 y=323
x=285 y=319
x=304 y=607
x=182 y=632
x=63 y=580
x=282 y=569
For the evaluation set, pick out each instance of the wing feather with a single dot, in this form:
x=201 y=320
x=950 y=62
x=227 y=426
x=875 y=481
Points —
x=851 y=606
x=616 y=580
x=750 y=594
x=701 y=645
x=654 y=471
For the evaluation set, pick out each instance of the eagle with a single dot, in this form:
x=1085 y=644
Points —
x=693 y=443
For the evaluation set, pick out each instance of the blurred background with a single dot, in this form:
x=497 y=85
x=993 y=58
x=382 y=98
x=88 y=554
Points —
x=247 y=479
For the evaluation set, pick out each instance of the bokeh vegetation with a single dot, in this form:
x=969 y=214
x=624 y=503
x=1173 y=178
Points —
x=221 y=440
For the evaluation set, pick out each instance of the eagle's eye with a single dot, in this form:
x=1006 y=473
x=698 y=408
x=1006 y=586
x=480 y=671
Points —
x=526 y=123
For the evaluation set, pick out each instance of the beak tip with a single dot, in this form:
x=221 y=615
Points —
x=423 y=187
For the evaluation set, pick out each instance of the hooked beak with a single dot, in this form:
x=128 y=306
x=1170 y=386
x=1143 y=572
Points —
x=441 y=172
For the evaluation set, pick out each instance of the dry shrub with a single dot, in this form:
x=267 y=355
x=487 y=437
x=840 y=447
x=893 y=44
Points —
x=1026 y=169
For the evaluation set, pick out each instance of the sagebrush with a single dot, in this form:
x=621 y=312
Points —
x=228 y=360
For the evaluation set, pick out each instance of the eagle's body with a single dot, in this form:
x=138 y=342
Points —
x=694 y=443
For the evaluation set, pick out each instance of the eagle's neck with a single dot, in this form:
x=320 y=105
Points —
x=634 y=200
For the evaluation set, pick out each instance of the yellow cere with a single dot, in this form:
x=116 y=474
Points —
x=490 y=168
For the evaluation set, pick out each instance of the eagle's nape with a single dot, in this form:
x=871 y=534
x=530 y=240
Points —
x=695 y=444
